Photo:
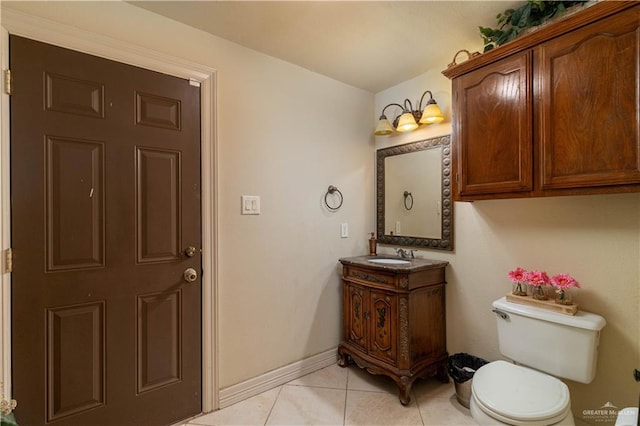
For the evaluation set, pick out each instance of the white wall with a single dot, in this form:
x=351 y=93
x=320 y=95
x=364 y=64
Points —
x=285 y=134
x=595 y=238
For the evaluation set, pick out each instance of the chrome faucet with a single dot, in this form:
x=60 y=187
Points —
x=405 y=254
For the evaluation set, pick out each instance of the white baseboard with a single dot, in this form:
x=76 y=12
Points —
x=280 y=376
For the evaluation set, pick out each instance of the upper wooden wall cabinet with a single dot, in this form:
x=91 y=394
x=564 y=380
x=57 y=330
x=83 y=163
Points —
x=554 y=112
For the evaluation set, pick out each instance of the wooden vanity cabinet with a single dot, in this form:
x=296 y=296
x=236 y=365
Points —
x=553 y=113
x=394 y=320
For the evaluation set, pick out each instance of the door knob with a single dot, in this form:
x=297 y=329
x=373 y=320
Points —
x=190 y=251
x=190 y=275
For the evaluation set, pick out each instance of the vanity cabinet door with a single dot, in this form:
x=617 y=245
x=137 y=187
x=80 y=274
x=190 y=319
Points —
x=383 y=336
x=493 y=127
x=356 y=306
x=587 y=101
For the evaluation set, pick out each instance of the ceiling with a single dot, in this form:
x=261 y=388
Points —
x=372 y=45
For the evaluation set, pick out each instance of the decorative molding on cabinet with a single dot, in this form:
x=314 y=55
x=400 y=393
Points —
x=404 y=328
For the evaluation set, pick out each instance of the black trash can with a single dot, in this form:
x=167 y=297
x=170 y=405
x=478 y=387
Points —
x=461 y=368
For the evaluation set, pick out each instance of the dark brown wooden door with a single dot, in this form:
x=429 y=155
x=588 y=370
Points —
x=493 y=124
x=588 y=120
x=105 y=191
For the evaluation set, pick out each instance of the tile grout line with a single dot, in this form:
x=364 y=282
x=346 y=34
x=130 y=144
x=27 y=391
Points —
x=338 y=388
x=346 y=395
x=415 y=399
x=275 y=400
x=314 y=386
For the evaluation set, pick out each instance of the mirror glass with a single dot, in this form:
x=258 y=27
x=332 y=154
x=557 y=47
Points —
x=414 y=206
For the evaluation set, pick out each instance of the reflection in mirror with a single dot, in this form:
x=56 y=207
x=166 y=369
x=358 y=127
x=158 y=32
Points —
x=414 y=206
x=412 y=189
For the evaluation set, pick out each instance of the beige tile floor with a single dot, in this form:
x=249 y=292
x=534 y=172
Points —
x=344 y=396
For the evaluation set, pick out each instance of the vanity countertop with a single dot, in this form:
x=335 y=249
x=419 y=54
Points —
x=414 y=265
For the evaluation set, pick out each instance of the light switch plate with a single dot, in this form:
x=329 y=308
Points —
x=250 y=204
x=344 y=230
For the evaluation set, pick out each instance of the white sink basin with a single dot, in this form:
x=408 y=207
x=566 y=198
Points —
x=390 y=261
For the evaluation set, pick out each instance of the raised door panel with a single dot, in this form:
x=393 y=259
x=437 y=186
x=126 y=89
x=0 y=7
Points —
x=74 y=212
x=356 y=299
x=158 y=200
x=71 y=95
x=588 y=100
x=159 y=325
x=383 y=318
x=75 y=359
x=492 y=127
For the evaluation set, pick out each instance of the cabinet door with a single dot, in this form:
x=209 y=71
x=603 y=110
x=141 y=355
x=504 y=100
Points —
x=492 y=127
x=356 y=304
x=383 y=317
x=587 y=104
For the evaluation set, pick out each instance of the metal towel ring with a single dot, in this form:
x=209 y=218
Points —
x=408 y=196
x=332 y=189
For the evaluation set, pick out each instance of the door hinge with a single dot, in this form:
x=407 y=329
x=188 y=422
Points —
x=8 y=260
x=7 y=82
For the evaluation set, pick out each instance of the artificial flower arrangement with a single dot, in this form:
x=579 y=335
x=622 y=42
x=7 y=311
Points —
x=562 y=283
x=519 y=278
x=538 y=281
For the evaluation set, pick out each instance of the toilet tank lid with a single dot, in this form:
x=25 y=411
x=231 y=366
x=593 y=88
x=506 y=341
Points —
x=581 y=319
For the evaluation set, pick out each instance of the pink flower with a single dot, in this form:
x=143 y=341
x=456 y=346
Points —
x=518 y=275
x=538 y=278
x=564 y=281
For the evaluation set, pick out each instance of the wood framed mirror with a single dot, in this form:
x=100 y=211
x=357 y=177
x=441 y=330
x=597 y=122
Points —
x=413 y=194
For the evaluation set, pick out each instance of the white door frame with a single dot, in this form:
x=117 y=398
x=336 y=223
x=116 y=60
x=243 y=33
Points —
x=25 y=25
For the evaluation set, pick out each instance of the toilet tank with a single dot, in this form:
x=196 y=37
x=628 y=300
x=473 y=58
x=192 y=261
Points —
x=558 y=344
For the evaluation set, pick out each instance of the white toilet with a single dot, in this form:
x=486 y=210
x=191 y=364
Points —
x=549 y=344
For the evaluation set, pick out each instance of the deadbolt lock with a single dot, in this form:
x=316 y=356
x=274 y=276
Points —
x=190 y=275
x=190 y=251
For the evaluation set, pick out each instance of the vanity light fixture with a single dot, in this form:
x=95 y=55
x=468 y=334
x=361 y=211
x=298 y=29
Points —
x=408 y=120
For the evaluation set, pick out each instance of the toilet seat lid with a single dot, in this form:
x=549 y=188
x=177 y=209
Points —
x=518 y=393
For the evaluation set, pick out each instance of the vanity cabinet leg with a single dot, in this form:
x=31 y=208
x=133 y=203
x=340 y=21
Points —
x=404 y=390
x=343 y=359
x=442 y=374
